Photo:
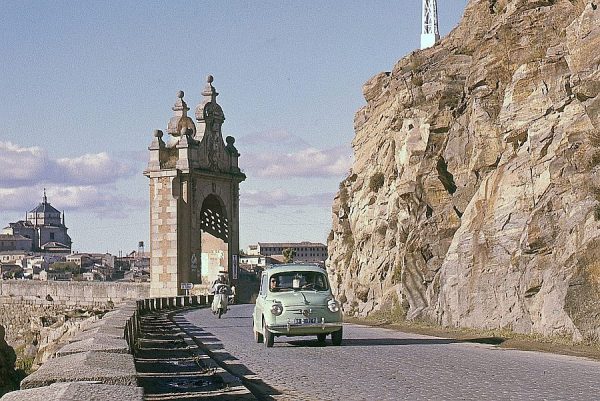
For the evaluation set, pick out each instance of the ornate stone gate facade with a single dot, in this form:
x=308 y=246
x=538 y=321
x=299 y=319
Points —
x=194 y=189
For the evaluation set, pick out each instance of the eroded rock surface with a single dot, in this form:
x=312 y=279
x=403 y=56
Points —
x=9 y=377
x=474 y=198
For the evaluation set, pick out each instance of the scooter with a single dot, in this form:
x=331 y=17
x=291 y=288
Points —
x=219 y=304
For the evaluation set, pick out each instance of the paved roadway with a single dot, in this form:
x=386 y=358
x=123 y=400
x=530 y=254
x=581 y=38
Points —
x=382 y=364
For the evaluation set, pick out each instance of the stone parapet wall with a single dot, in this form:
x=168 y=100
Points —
x=106 y=348
x=39 y=316
x=70 y=293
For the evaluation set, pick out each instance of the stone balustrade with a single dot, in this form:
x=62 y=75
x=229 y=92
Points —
x=98 y=364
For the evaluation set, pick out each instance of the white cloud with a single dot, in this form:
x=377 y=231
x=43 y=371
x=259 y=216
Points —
x=12 y=198
x=272 y=139
x=100 y=201
x=308 y=162
x=91 y=168
x=21 y=166
x=83 y=183
x=279 y=154
x=280 y=197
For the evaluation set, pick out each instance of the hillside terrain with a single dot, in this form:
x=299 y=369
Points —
x=474 y=197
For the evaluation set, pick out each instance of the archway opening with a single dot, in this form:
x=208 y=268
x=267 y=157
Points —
x=214 y=239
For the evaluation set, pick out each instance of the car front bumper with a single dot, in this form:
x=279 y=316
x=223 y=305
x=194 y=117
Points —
x=300 y=329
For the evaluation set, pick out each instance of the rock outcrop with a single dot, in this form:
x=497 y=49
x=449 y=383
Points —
x=474 y=198
x=36 y=332
x=9 y=377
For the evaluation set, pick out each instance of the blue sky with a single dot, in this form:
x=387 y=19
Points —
x=84 y=84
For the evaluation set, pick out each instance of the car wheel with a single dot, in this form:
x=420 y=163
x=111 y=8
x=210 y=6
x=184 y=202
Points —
x=258 y=337
x=268 y=337
x=321 y=337
x=336 y=337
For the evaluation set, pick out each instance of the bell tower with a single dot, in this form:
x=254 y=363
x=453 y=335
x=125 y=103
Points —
x=194 y=192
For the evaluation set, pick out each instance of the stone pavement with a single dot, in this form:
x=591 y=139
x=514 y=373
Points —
x=77 y=391
x=383 y=364
x=105 y=367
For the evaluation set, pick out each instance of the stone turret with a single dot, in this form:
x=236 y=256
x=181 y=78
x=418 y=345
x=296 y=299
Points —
x=194 y=189
x=195 y=145
x=180 y=122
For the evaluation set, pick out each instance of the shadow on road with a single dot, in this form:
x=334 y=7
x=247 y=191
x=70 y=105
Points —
x=364 y=342
x=214 y=348
x=167 y=368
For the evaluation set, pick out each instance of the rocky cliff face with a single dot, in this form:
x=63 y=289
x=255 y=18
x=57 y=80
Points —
x=33 y=333
x=9 y=377
x=474 y=198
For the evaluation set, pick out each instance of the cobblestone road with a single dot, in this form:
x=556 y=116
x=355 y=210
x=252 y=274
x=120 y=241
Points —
x=382 y=364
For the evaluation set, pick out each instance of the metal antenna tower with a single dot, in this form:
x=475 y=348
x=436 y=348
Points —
x=430 y=33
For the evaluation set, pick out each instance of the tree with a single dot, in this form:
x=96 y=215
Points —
x=65 y=266
x=288 y=255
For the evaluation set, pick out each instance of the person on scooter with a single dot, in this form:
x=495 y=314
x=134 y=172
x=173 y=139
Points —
x=220 y=287
x=221 y=280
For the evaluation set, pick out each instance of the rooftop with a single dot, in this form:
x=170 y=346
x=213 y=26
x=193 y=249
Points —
x=289 y=244
x=44 y=207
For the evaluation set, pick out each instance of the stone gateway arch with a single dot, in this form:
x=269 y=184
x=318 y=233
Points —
x=194 y=198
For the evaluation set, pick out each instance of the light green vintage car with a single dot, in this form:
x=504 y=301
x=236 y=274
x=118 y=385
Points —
x=296 y=300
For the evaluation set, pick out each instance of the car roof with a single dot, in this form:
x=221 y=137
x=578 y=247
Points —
x=290 y=267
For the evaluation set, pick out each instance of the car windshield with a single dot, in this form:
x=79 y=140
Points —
x=309 y=281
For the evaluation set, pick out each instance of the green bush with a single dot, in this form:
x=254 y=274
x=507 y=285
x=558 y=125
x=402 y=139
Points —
x=376 y=182
x=65 y=266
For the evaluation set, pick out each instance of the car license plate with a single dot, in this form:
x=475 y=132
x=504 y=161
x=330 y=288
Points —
x=305 y=320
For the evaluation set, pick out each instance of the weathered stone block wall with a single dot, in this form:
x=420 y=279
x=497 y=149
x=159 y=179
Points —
x=164 y=194
x=71 y=293
x=36 y=314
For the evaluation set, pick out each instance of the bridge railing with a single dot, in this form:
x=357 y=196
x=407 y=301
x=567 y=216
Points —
x=132 y=327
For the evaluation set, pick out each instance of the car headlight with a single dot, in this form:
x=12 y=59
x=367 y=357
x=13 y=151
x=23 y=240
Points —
x=277 y=309
x=333 y=305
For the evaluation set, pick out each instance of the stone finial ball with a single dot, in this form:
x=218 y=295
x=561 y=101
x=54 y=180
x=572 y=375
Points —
x=209 y=79
x=230 y=140
x=180 y=94
x=158 y=133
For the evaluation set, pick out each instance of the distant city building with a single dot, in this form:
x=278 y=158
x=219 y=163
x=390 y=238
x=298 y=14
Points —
x=133 y=266
x=55 y=276
x=90 y=261
x=252 y=262
x=44 y=230
x=253 y=250
x=10 y=242
x=13 y=257
x=310 y=252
